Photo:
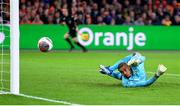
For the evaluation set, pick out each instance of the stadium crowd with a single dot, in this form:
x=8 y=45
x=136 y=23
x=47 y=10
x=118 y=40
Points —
x=110 y=12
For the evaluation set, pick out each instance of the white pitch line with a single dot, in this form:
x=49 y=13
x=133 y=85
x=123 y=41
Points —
x=42 y=99
x=176 y=75
x=48 y=100
x=2 y=92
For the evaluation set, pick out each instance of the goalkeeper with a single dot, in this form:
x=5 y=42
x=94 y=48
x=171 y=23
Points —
x=131 y=71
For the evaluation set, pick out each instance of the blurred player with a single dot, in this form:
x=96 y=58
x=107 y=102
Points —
x=131 y=71
x=71 y=23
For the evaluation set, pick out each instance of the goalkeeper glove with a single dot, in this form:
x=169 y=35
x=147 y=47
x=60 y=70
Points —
x=133 y=62
x=161 y=70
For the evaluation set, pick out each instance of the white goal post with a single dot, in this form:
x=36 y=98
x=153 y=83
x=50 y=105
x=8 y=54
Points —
x=14 y=47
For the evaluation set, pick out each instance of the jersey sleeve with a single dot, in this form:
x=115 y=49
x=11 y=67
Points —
x=115 y=66
x=136 y=55
x=127 y=58
x=132 y=83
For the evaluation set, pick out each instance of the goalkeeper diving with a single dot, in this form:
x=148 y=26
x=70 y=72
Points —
x=131 y=71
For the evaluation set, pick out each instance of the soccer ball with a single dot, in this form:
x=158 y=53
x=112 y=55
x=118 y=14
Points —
x=45 y=44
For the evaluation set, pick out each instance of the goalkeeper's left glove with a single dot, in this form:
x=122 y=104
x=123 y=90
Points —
x=161 y=70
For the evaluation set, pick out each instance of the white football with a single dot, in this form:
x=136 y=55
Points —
x=45 y=44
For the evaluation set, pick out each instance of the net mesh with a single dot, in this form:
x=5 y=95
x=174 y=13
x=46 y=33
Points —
x=4 y=46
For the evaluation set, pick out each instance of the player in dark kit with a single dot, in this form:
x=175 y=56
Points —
x=71 y=23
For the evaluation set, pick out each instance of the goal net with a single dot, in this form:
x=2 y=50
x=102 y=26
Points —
x=9 y=46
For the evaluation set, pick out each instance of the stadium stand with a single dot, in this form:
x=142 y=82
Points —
x=109 y=12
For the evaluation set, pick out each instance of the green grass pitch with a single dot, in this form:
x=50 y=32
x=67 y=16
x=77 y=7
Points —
x=74 y=77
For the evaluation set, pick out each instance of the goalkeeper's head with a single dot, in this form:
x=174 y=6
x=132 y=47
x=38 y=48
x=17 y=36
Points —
x=125 y=70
